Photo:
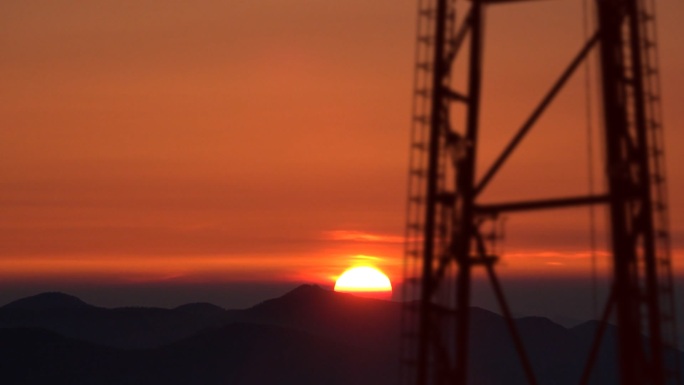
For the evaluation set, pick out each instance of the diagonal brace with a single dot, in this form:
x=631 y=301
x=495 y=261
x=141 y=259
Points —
x=537 y=112
x=508 y=315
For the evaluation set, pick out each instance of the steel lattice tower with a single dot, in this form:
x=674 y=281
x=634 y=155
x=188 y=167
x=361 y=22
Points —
x=444 y=236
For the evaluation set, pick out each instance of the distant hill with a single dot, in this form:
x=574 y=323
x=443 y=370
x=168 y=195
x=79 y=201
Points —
x=339 y=316
x=47 y=301
x=206 y=309
x=134 y=327
x=307 y=336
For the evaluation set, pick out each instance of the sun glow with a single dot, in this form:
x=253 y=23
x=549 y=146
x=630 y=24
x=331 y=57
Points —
x=364 y=279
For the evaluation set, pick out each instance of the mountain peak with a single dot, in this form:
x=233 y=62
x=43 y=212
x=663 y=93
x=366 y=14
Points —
x=305 y=289
x=303 y=295
x=48 y=301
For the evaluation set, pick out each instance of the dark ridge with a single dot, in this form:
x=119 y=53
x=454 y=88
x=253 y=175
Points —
x=540 y=324
x=48 y=301
x=200 y=308
x=125 y=327
x=313 y=292
x=239 y=353
x=301 y=294
x=305 y=291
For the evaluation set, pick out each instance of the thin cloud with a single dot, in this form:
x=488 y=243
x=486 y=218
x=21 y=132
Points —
x=360 y=236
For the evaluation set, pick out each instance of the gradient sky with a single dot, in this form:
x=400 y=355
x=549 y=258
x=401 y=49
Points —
x=148 y=143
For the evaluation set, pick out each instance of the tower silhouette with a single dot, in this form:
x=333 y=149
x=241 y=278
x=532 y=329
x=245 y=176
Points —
x=445 y=240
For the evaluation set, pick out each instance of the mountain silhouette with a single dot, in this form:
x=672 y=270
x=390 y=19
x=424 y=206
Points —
x=47 y=301
x=131 y=327
x=307 y=336
x=206 y=309
x=339 y=316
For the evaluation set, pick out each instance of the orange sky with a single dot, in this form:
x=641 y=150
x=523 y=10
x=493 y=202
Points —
x=212 y=140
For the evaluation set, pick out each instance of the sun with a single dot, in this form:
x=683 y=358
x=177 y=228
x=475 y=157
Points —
x=366 y=281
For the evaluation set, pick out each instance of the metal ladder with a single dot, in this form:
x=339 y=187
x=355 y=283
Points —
x=654 y=122
x=415 y=208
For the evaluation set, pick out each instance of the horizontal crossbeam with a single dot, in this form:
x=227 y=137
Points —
x=542 y=204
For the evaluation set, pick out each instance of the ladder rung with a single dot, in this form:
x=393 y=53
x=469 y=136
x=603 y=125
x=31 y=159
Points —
x=415 y=226
x=418 y=173
x=646 y=17
x=427 y=12
x=421 y=119
x=416 y=199
x=424 y=92
x=425 y=39
x=419 y=146
x=425 y=66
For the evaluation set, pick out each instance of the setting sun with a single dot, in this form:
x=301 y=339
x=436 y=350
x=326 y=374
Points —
x=364 y=280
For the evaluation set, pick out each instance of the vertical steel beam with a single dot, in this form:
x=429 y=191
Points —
x=624 y=258
x=465 y=187
x=655 y=369
x=629 y=181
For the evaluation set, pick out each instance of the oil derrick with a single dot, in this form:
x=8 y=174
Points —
x=445 y=240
